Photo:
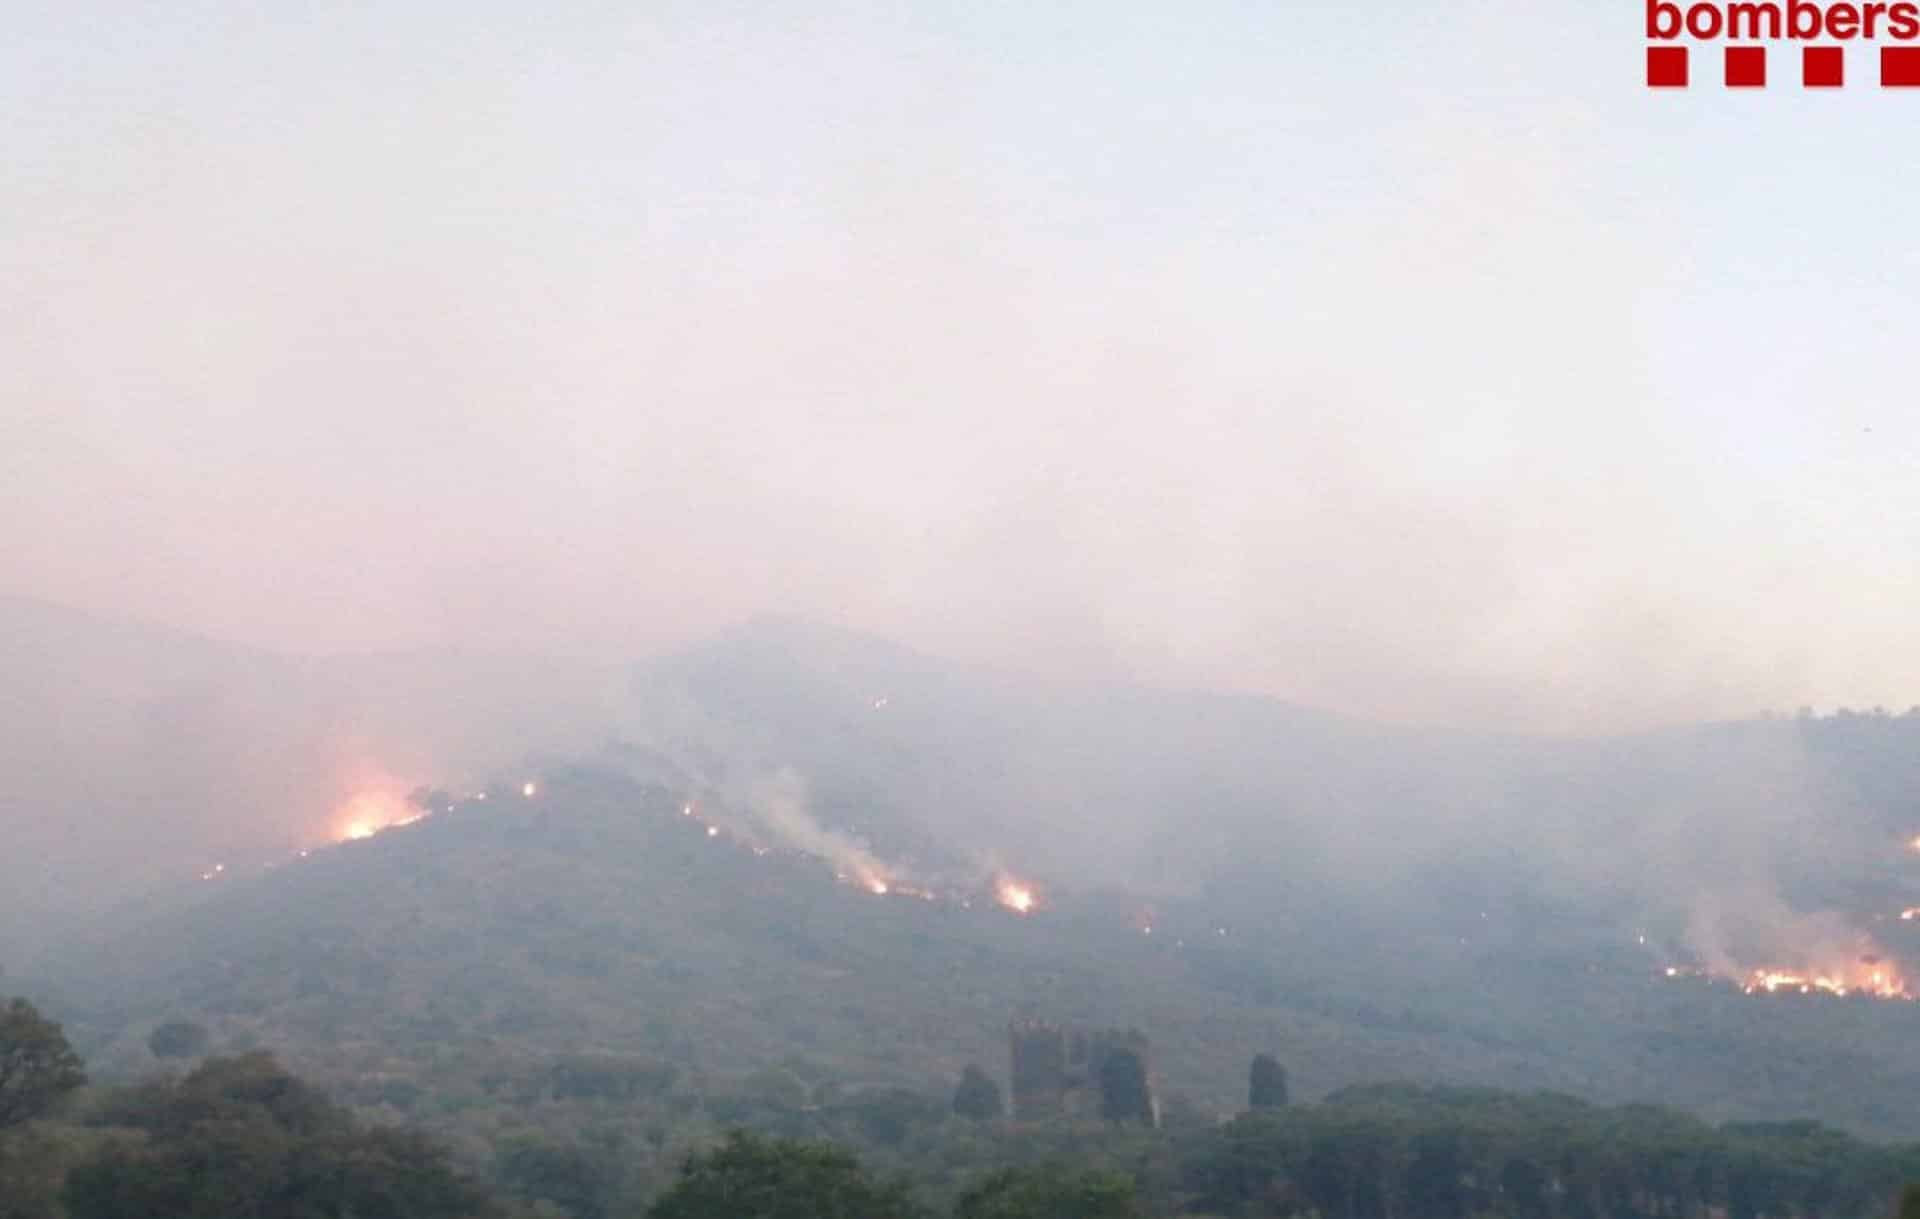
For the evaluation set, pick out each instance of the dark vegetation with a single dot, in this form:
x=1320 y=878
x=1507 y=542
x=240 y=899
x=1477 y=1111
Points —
x=37 y=1065
x=1266 y=1083
x=240 y=1136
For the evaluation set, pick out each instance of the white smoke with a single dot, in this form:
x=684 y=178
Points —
x=778 y=802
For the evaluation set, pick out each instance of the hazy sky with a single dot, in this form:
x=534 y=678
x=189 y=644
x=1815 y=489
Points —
x=1412 y=359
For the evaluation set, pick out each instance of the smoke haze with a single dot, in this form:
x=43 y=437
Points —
x=1109 y=343
x=416 y=374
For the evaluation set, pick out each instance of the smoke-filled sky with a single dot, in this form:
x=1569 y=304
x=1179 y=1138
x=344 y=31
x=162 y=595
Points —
x=1410 y=359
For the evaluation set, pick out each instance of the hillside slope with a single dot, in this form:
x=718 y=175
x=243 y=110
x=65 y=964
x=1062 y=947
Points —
x=598 y=918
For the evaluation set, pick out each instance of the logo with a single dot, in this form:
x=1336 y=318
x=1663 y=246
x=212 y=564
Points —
x=1748 y=34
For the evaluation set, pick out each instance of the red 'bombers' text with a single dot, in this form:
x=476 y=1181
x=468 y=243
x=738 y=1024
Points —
x=1800 y=19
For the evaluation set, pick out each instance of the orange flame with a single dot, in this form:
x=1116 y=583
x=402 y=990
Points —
x=1868 y=976
x=1016 y=895
x=369 y=812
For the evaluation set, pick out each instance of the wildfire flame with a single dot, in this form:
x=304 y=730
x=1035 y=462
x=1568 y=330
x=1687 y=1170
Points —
x=1869 y=976
x=1874 y=980
x=369 y=812
x=1015 y=895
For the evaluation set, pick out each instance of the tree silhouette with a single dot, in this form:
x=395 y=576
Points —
x=750 y=1177
x=37 y=1066
x=1266 y=1083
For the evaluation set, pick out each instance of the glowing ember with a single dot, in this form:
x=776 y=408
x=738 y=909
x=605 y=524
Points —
x=1910 y=913
x=357 y=830
x=879 y=887
x=1015 y=895
x=529 y=789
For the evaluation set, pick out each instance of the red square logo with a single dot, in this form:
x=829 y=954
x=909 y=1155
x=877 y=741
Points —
x=1823 y=67
x=1746 y=67
x=1667 y=67
x=1900 y=67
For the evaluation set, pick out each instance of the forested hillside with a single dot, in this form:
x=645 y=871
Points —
x=438 y=967
x=805 y=880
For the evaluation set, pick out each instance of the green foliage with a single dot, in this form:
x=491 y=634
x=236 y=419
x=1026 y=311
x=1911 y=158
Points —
x=888 y=1115
x=239 y=1136
x=977 y=1098
x=1449 y=1153
x=1124 y=1096
x=1266 y=1083
x=34 y=1161
x=1049 y=1192
x=37 y=1066
x=177 y=1039
x=570 y=1175
x=610 y=1078
x=749 y=1177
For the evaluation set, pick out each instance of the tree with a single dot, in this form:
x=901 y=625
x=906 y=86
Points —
x=888 y=1115
x=240 y=1136
x=978 y=1097
x=1910 y=1202
x=1266 y=1083
x=177 y=1039
x=34 y=1161
x=37 y=1066
x=1123 y=1089
x=750 y=1177
x=1049 y=1193
x=567 y=1174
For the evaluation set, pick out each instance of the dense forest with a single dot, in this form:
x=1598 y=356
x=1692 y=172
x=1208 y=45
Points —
x=241 y=1136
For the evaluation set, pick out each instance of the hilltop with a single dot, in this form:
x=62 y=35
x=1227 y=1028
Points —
x=1225 y=873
